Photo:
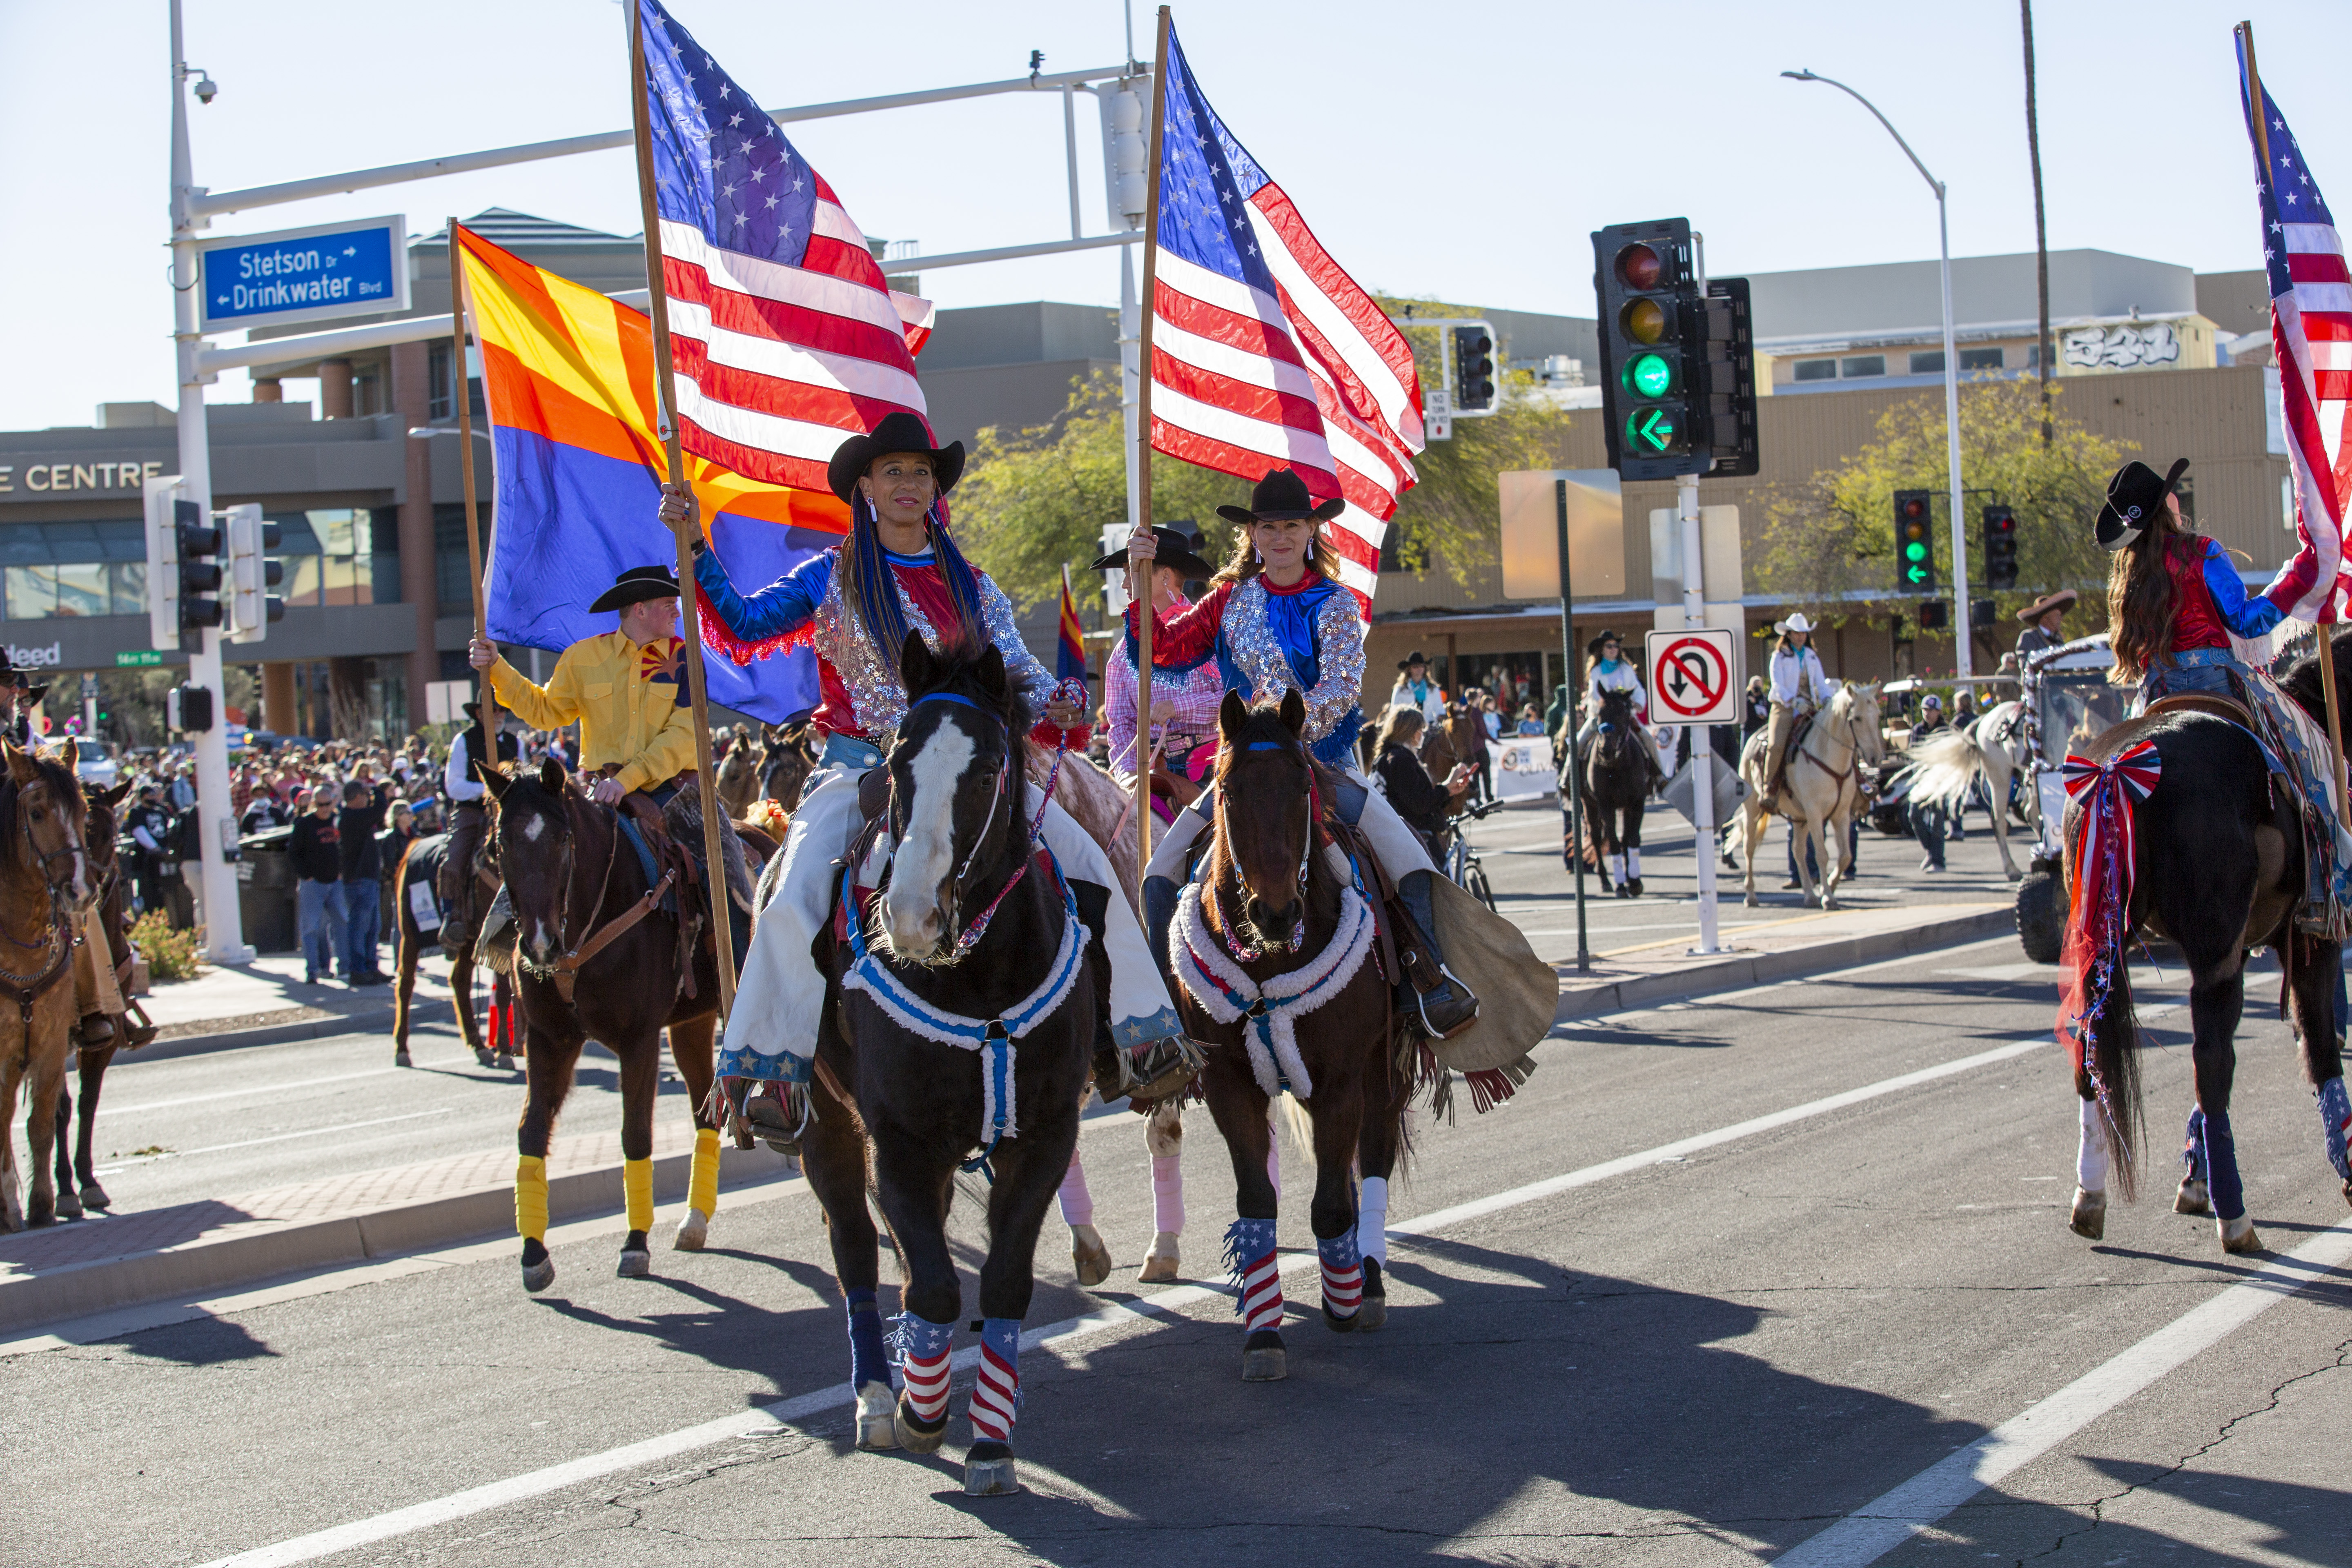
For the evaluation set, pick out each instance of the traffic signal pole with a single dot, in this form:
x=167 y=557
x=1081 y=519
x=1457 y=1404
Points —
x=1702 y=740
x=217 y=827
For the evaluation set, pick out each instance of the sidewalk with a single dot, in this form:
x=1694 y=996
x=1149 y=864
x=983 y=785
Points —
x=70 y=1270
x=265 y=1001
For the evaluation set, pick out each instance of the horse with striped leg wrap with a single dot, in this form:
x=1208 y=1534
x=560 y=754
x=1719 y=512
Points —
x=1275 y=957
x=961 y=1011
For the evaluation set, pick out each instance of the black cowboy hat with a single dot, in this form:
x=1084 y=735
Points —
x=2063 y=599
x=1179 y=552
x=29 y=692
x=1592 y=648
x=899 y=431
x=633 y=586
x=1282 y=494
x=1408 y=661
x=2133 y=496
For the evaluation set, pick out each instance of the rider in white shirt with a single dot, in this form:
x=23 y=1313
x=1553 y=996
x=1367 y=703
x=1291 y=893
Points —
x=1799 y=686
x=1606 y=670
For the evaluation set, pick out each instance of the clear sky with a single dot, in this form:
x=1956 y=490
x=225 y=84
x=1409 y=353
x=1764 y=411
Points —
x=1463 y=151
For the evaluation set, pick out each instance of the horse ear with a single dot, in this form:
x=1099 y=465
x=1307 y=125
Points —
x=1231 y=714
x=20 y=765
x=111 y=798
x=551 y=776
x=71 y=755
x=991 y=672
x=1294 y=711
x=915 y=664
x=495 y=780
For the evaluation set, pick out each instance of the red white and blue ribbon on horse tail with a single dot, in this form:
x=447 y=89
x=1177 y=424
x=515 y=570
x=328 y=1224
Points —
x=2098 y=915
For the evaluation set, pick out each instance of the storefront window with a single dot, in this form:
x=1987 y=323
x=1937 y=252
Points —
x=32 y=593
x=339 y=556
x=81 y=589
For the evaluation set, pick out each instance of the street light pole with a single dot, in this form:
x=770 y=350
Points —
x=1963 y=634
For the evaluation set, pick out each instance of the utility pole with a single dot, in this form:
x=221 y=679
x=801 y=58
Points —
x=2041 y=231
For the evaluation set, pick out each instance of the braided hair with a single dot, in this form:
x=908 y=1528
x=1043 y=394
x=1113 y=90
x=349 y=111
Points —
x=872 y=595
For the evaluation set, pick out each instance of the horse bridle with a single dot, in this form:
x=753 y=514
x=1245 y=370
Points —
x=964 y=937
x=27 y=988
x=565 y=970
x=1243 y=952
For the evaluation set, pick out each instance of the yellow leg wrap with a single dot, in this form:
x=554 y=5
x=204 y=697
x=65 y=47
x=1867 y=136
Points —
x=637 y=1187
x=702 y=1181
x=530 y=1198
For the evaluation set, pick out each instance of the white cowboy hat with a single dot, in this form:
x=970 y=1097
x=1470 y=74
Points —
x=1796 y=623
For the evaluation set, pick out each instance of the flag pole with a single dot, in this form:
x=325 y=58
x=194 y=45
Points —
x=691 y=624
x=2326 y=627
x=1141 y=592
x=460 y=319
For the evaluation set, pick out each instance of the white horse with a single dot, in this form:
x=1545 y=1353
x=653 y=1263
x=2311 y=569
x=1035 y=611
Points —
x=1945 y=768
x=1821 y=789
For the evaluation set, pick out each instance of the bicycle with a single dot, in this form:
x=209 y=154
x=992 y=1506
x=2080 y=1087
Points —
x=1461 y=864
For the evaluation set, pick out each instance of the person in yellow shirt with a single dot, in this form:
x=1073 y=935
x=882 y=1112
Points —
x=626 y=688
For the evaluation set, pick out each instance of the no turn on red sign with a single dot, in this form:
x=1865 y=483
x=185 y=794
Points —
x=1689 y=677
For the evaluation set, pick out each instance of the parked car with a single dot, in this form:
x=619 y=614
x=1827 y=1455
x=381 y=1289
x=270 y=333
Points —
x=100 y=763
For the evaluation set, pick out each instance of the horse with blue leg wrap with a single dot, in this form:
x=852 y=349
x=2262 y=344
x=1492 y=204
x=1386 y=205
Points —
x=961 y=1009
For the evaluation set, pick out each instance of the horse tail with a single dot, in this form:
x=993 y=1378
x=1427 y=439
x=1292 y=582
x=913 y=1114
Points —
x=2097 y=1021
x=1286 y=1114
x=2114 y=1079
x=1945 y=768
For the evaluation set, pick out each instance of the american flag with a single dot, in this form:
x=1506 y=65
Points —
x=2311 y=333
x=1264 y=353
x=784 y=335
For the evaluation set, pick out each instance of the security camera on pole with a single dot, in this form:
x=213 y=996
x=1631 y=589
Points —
x=1678 y=400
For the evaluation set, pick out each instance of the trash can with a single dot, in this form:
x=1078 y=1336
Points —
x=265 y=889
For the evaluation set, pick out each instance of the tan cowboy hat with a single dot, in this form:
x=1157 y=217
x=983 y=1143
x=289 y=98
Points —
x=2063 y=599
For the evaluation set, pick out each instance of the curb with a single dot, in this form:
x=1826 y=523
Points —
x=1739 y=970
x=201 y=1267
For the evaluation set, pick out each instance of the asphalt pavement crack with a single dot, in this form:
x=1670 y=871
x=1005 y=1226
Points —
x=2097 y=1507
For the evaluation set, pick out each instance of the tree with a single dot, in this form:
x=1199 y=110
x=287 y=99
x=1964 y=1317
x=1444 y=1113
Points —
x=1034 y=498
x=1830 y=543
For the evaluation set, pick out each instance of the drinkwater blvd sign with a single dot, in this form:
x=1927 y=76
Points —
x=304 y=274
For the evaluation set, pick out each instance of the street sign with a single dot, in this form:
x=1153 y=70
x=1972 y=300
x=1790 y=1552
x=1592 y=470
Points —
x=1690 y=677
x=137 y=659
x=1531 y=531
x=352 y=269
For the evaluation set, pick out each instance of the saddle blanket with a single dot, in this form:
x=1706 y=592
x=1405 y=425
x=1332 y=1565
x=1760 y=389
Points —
x=2299 y=741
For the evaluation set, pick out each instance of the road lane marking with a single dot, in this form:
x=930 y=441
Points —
x=105 y=1111
x=1880 y=1526
x=274 y=1137
x=1161 y=1306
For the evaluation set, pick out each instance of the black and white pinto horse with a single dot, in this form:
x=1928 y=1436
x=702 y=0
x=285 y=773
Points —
x=1617 y=790
x=960 y=1013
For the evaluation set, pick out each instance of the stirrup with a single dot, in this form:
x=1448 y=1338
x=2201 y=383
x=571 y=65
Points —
x=1152 y=1073
x=1449 y=1020
x=779 y=1119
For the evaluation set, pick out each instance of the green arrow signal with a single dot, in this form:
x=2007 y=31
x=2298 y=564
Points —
x=1656 y=426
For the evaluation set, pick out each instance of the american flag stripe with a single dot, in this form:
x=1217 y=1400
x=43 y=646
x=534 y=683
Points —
x=1261 y=1303
x=1265 y=353
x=786 y=336
x=2311 y=335
x=926 y=1385
x=995 y=1397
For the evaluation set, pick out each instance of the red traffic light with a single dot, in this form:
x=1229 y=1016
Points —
x=1642 y=267
x=1913 y=508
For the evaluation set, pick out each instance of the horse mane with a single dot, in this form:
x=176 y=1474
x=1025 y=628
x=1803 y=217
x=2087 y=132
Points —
x=52 y=773
x=2300 y=681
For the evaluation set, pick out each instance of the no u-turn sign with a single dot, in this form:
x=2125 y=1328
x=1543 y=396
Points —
x=1690 y=677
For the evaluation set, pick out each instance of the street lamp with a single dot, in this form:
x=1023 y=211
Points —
x=1964 y=634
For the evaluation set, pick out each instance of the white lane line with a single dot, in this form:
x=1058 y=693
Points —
x=275 y=1138
x=1161 y=1306
x=105 y=1111
x=1879 y=1527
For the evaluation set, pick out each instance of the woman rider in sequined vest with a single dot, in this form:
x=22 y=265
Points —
x=1274 y=620
x=898 y=569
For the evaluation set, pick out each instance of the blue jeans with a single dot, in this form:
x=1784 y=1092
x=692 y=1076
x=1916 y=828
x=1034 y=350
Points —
x=319 y=911
x=362 y=906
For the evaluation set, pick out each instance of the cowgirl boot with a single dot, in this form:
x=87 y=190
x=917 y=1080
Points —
x=1150 y=1070
x=1445 y=1007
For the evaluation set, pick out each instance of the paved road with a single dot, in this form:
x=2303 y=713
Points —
x=1713 y=1350
x=224 y=1122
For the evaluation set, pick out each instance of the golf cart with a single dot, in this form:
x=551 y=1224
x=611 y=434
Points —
x=2068 y=702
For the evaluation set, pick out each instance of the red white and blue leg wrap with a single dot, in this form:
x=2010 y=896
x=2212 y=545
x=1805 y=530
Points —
x=923 y=1349
x=1343 y=1273
x=1257 y=1273
x=2335 y=1122
x=996 y=1389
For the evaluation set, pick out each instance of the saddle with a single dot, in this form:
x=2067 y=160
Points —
x=2208 y=702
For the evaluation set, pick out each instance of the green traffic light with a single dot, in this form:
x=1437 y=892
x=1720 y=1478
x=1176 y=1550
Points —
x=1653 y=430
x=1916 y=551
x=1650 y=376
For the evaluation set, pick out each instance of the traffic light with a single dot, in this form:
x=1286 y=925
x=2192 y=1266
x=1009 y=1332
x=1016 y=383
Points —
x=251 y=575
x=1647 y=290
x=1915 y=541
x=1935 y=616
x=1724 y=373
x=2001 y=547
x=1474 y=370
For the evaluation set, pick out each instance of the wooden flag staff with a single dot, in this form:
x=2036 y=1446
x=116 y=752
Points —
x=714 y=825
x=2325 y=630
x=1140 y=592
x=460 y=318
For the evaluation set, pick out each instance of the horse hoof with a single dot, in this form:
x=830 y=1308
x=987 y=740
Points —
x=2239 y=1235
x=913 y=1436
x=2191 y=1198
x=1339 y=1325
x=1637 y=885
x=988 y=1471
x=2089 y=1219
x=483 y=1057
x=93 y=1196
x=401 y=1059
x=506 y=1062
x=1162 y=1264
x=1263 y=1359
x=1750 y=900
x=68 y=1203
x=692 y=1231
x=1374 y=1313
x=539 y=1276
x=877 y=1410
x=636 y=1258
x=2347 y=1192
x=1090 y=1257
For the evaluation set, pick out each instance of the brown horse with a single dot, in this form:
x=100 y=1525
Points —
x=597 y=953
x=44 y=882
x=788 y=755
x=77 y=1186
x=424 y=864
x=1275 y=953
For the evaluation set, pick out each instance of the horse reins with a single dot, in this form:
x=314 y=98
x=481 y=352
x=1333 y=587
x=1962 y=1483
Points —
x=1224 y=928
x=565 y=971
x=29 y=988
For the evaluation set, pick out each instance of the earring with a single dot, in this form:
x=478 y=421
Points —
x=1257 y=556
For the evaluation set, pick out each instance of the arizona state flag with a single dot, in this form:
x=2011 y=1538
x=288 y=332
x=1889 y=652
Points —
x=1070 y=652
